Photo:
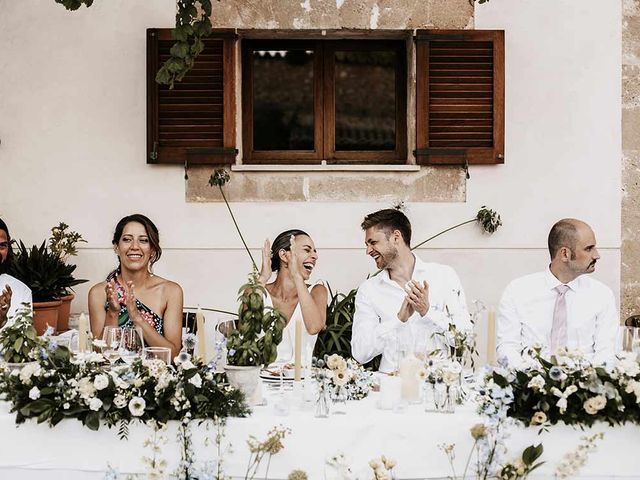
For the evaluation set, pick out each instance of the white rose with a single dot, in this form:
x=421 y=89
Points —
x=34 y=393
x=101 y=381
x=86 y=388
x=95 y=404
x=536 y=382
x=137 y=406
x=196 y=380
x=187 y=365
x=449 y=377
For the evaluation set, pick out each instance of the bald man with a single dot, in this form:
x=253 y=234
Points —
x=561 y=306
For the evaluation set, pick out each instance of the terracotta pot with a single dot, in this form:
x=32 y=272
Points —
x=63 y=312
x=247 y=380
x=45 y=313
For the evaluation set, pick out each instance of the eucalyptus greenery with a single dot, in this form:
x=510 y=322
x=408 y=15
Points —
x=193 y=23
x=259 y=330
x=19 y=340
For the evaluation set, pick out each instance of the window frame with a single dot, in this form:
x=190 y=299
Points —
x=324 y=104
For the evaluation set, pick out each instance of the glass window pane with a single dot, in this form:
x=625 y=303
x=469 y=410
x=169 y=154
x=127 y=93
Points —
x=365 y=85
x=283 y=117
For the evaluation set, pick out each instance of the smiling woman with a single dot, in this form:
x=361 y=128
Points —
x=132 y=296
x=293 y=257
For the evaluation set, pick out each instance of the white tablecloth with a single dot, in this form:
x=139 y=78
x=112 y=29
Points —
x=71 y=451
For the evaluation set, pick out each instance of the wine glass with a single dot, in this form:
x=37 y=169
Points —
x=131 y=344
x=111 y=337
x=159 y=353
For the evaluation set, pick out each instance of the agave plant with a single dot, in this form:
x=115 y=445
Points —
x=43 y=272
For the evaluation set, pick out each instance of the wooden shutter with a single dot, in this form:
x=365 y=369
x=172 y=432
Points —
x=460 y=97
x=194 y=123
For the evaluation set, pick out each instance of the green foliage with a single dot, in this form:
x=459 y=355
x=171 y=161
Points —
x=43 y=272
x=19 y=340
x=336 y=337
x=192 y=25
x=63 y=241
x=74 y=4
x=59 y=386
x=259 y=330
x=488 y=219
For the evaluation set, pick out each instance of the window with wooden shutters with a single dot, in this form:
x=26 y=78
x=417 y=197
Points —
x=193 y=123
x=460 y=97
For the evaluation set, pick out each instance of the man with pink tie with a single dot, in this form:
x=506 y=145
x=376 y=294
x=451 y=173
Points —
x=560 y=306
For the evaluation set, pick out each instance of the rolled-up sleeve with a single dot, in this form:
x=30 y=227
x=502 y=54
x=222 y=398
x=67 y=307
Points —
x=370 y=332
x=509 y=329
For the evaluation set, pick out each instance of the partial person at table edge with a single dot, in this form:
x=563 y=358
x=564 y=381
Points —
x=13 y=293
x=132 y=295
x=561 y=306
x=408 y=299
x=293 y=256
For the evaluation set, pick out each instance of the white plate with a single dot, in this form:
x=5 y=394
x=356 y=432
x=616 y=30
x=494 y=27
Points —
x=272 y=374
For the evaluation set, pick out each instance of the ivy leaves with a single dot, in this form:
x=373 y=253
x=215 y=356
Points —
x=192 y=25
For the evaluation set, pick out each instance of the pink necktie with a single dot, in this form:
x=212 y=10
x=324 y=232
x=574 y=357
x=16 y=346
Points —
x=559 y=327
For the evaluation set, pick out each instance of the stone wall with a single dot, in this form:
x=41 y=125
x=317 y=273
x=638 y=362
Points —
x=364 y=18
x=630 y=265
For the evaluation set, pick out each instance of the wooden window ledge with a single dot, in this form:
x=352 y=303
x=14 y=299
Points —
x=325 y=168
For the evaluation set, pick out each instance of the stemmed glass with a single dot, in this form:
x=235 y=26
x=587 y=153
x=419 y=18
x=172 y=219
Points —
x=111 y=337
x=131 y=344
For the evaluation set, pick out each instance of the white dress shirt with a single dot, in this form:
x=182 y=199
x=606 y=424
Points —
x=525 y=316
x=376 y=327
x=20 y=294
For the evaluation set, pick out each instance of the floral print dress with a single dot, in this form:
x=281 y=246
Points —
x=151 y=317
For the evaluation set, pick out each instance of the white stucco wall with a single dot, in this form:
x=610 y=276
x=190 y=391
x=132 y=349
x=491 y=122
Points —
x=72 y=127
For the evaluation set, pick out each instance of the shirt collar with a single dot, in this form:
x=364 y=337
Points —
x=552 y=282
x=418 y=266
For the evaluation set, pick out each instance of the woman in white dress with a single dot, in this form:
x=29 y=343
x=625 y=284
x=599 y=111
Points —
x=293 y=257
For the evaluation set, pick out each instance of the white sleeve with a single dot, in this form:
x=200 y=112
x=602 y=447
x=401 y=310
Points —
x=455 y=303
x=509 y=329
x=607 y=323
x=370 y=332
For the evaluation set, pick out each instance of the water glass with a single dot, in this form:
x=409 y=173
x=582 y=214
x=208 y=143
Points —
x=158 y=353
x=631 y=339
x=131 y=344
x=111 y=337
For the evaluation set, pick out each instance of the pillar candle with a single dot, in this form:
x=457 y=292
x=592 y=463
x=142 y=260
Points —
x=83 y=324
x=491 y=336
x=297 y=355
x=410 y=385
x=202 y=344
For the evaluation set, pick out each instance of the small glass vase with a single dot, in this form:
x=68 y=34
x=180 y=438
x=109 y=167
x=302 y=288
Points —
x=339 y=399
x=444 y=398
x=322 y=402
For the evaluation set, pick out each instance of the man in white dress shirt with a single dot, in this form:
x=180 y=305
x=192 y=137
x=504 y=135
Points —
x=560 y=306
x=407 y=301
x=12 y=291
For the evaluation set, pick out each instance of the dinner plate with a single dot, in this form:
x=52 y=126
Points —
x=272 y=374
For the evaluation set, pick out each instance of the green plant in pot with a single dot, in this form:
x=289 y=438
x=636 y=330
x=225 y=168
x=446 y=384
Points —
x=63 y=242
x=48 y=277
x=254 y=342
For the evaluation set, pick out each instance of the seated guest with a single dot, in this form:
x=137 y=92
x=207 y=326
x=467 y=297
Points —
x=293 y=256
x=132 y=295
x=402 y=306
x=13 y=293
x=560 y=306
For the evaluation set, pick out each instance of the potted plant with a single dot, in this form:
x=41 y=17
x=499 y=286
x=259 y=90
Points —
x=254 y=342
x=63 y=243
x=48 y=277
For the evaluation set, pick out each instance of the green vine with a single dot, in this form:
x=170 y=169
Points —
x=192 y=25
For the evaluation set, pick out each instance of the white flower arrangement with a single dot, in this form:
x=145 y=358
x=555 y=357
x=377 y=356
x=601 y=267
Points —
x=347 y=374
x=58 y=386
x=566 y=387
